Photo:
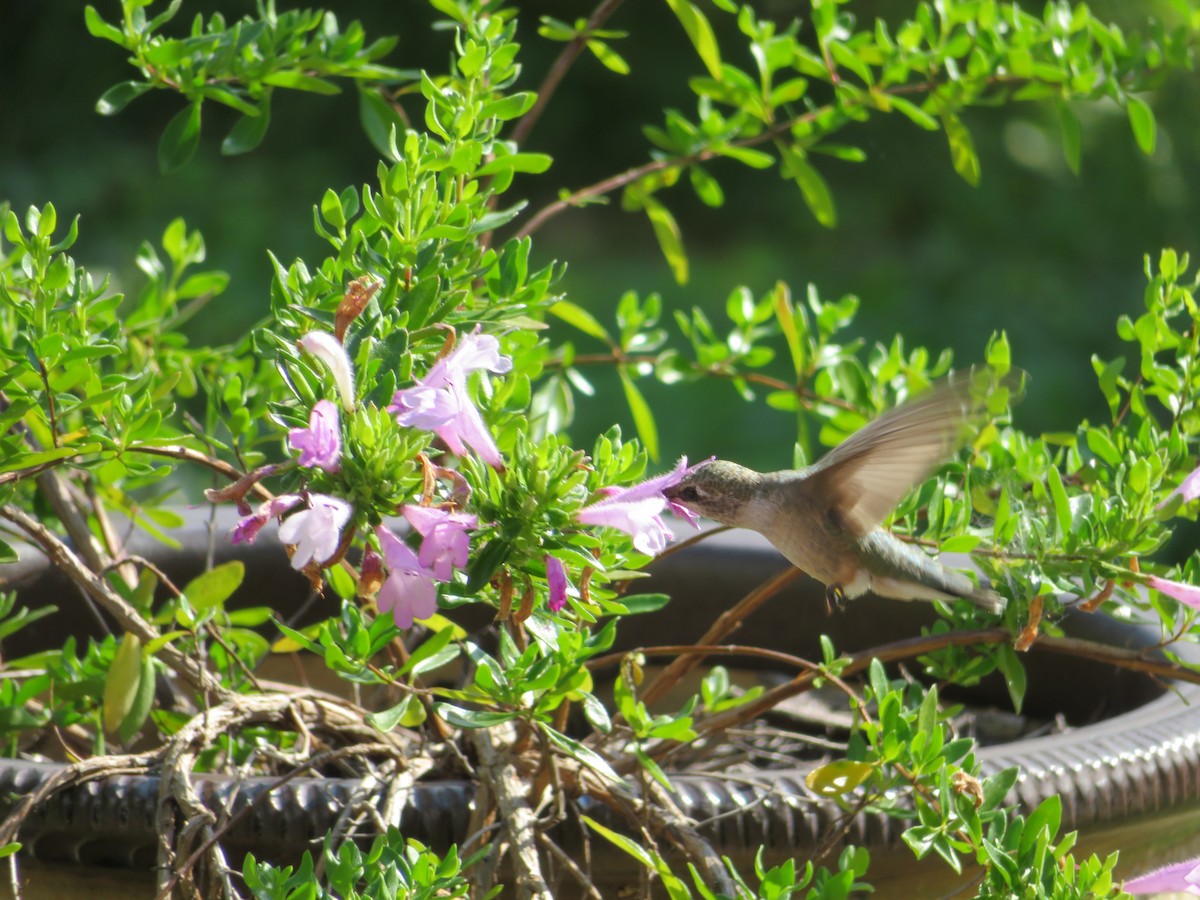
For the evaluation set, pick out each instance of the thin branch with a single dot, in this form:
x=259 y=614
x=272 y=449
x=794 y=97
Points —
x=559 y=68
x=726 y=623
x=95 y=587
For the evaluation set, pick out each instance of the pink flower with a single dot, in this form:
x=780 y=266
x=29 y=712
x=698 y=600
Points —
x=1185 y=593
x=319 y=444
x=315 y=531
x=1189 y=489
x=329 y=350
x=409 y=592
x=440 y=403
x=444 y=542
x=637 y=510
x=248 y=527
x=556 y=578
x=1181 y=878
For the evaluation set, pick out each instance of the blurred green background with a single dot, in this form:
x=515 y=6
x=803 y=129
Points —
x=1049 y=257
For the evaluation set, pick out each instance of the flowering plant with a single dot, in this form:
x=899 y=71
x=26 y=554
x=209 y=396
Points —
x=402 y=413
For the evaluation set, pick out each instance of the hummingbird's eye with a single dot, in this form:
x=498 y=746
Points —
x=688 y=493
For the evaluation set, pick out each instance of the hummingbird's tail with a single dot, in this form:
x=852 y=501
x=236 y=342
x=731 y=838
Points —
x=904 y=572
x=987 y=599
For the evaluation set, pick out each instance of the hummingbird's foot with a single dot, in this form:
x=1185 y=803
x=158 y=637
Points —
x=835 y=597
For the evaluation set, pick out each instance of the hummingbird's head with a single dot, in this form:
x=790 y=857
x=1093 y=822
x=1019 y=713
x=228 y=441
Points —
x=717 y=489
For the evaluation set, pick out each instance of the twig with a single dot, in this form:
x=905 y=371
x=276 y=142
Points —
x=569 y=864
x=727 y=622
x=95 y=587
x=560 y=66
x=499 y=771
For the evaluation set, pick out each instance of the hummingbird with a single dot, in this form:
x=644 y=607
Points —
x=826 y=518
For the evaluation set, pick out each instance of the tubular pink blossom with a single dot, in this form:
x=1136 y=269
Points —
x=445 y=544
x=320 y=444
x=1188 y=594
x=315 y=531
x=325 y=347
x=637 y=510
x=556 y=578
x=1181 y=878
x=248 y=527
x=409 y=592
x=439 y=402
x=1189 y=488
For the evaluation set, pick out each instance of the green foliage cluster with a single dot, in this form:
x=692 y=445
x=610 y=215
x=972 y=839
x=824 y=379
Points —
x=101 y=398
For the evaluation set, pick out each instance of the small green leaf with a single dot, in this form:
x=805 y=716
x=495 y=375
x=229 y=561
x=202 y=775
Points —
x=609 y=58
x=122 y=681
x=1062 y=506
x=248 y=131
x=143 y=702
x=210 y=589
x=1048 y=815
x=962 y=148
x=379 y=119
x=408 y=712
x=97 y=27
x=670 y=239
x=1072 y=138
x=7 y=553
x=180 y=139
x=292 y=78
x=117 y=97
x=700 y=32
x=576 y=315
x=812 y=185
x=1013 y=670
x=630 y=846
x=837 y=778
x=643 y=417
x=471 y=718
x=1141 y=119
x=638 y=604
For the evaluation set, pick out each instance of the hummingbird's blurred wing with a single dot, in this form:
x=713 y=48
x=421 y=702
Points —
x=865 y=477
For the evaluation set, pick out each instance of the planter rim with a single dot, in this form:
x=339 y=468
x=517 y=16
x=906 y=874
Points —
x=1145 y=762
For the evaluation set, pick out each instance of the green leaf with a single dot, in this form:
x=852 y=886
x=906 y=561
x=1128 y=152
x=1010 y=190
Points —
x=576 y=315
x=180 y=139
x=490 y=558
x=638 y=604
x=609 y=58
x=379 y=119
x=533 y=163
x=248 y=131
x=1062 y=506
x=1072 y=138
x=117 y=97
x=1048 y=815
x=914 y=113
x=7 y=553
x=1011 y=667
x=408 y=712
x=143 y=702
x=700 y=32
x=97 y=27
x=838 y=777
x=962 y=148
x=210 y=589
x=1141 y=119
x=643 y=418
x=471 y=718
x=630 y=846
x=579 y=752
x=812 y=185
x=292 y=78
x=122 y=681
x=670 y=239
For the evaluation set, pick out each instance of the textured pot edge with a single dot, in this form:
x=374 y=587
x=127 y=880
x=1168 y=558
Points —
x=1143 y=762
